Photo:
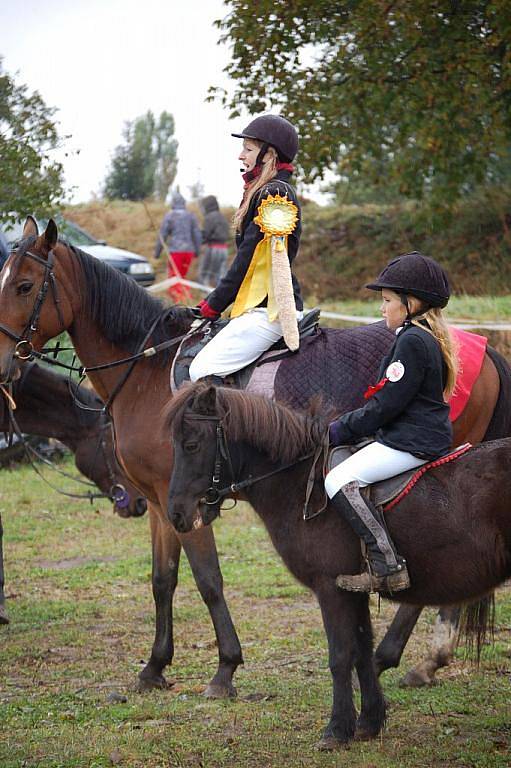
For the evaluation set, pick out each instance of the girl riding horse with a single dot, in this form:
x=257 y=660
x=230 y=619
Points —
x=406 y=411
x=261 y=314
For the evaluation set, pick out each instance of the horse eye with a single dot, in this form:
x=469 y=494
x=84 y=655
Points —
x=191 y=447
x=24 y=288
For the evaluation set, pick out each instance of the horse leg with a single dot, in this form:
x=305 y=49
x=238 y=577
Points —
x=441 y=651
x=166 y=549
x=389 y=651
x=340 y=616
x=4 y=619
x=372 y=712
x=202 y=555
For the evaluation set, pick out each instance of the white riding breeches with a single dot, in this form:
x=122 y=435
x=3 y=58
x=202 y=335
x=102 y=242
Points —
x=370 y=464
x=241 y=342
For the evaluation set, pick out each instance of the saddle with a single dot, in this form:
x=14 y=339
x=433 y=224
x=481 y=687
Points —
x=197 y=339
x=388 y=493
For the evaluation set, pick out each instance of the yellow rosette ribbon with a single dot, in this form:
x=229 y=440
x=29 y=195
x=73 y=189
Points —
x=269 y=272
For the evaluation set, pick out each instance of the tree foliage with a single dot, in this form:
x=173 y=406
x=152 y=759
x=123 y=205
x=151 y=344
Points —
x=30 y=180
x=146 y=163
x=416 y=94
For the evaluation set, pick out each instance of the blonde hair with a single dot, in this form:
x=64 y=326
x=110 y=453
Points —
x=440 y=330
x=268 y=172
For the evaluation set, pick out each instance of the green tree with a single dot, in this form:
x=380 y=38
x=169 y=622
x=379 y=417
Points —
x=166 y=155
x=421 y=90
x=30 y=180
x=146 y=163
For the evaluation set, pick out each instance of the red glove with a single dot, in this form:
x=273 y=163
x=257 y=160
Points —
x=207 y=311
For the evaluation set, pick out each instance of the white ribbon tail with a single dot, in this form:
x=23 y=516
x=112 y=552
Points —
x=283 y=292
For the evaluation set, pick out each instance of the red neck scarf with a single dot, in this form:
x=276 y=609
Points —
x=257 y=170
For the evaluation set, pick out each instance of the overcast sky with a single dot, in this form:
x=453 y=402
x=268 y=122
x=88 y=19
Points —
x=102 y=62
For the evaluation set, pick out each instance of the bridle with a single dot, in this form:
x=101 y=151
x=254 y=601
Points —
x=24 y=349
x=214 y=494
x=117 y=493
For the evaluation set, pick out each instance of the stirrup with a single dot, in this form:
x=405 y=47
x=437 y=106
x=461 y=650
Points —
x=369 y=582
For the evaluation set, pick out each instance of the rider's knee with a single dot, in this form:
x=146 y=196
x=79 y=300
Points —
x=197 y=369
x=334 y=482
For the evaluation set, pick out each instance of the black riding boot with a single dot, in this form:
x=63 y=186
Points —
x=387 y=570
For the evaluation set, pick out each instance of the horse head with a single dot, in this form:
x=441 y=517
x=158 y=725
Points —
x=194 y=420
x=95 y=458
x=218 y=432
x=34 y=305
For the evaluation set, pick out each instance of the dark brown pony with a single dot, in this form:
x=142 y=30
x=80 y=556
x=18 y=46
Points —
x=46 y=406
x=454 y=528
x=109 y=317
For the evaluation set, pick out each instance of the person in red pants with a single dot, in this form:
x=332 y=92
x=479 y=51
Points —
x=180 y=232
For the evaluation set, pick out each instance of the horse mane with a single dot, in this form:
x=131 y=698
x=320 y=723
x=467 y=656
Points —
x=122 y=309
x=282 y=433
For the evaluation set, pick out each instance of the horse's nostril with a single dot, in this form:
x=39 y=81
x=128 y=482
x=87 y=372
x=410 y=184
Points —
x=140 y=506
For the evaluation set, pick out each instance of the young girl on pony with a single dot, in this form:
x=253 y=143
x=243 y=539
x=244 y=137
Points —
x=270 y=143
x=405 y=411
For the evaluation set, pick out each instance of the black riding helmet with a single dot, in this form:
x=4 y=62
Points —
x=275 y=131
x=416 y=275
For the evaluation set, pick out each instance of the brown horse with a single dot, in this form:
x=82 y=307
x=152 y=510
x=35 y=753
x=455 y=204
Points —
x=46 y=406
x=453 y=528
x=109 y=317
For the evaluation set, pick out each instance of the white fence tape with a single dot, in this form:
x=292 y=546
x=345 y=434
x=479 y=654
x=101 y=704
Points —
x=164 y=284
x=465 y=325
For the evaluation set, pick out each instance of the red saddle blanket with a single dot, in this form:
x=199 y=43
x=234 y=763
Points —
x=471 y=352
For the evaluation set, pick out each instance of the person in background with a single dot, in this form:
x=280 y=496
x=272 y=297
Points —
x=181 y=234
x=215 y=234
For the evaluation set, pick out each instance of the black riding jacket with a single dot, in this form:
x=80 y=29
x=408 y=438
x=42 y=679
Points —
x=408 y=412
x=246 y=241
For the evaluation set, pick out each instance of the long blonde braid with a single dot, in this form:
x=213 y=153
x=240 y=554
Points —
x=269 y=171
x=440 y=330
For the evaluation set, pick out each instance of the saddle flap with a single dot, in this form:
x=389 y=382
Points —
x=379 y=493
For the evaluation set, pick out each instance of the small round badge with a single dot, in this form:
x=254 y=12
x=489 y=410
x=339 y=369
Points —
x=395 y=371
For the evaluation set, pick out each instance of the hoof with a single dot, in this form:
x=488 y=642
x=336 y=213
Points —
x=150 y=683
x=4 y=619
x=415 y=679
x=331 y=744
x=362 y=733
x=214 y=691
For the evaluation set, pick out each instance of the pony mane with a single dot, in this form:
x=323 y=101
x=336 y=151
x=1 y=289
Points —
x=283 y=434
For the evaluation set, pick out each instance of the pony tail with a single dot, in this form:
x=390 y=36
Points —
x=440 y=330
x=269 y=171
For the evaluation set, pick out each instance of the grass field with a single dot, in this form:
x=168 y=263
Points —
x=79 y=599
x=471 y=308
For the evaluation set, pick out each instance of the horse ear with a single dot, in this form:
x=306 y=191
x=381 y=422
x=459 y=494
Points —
x=30 y=228
x=51 y=234
x=205 y=401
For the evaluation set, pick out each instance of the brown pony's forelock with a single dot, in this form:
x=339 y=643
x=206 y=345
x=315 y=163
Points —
x=282 y=433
